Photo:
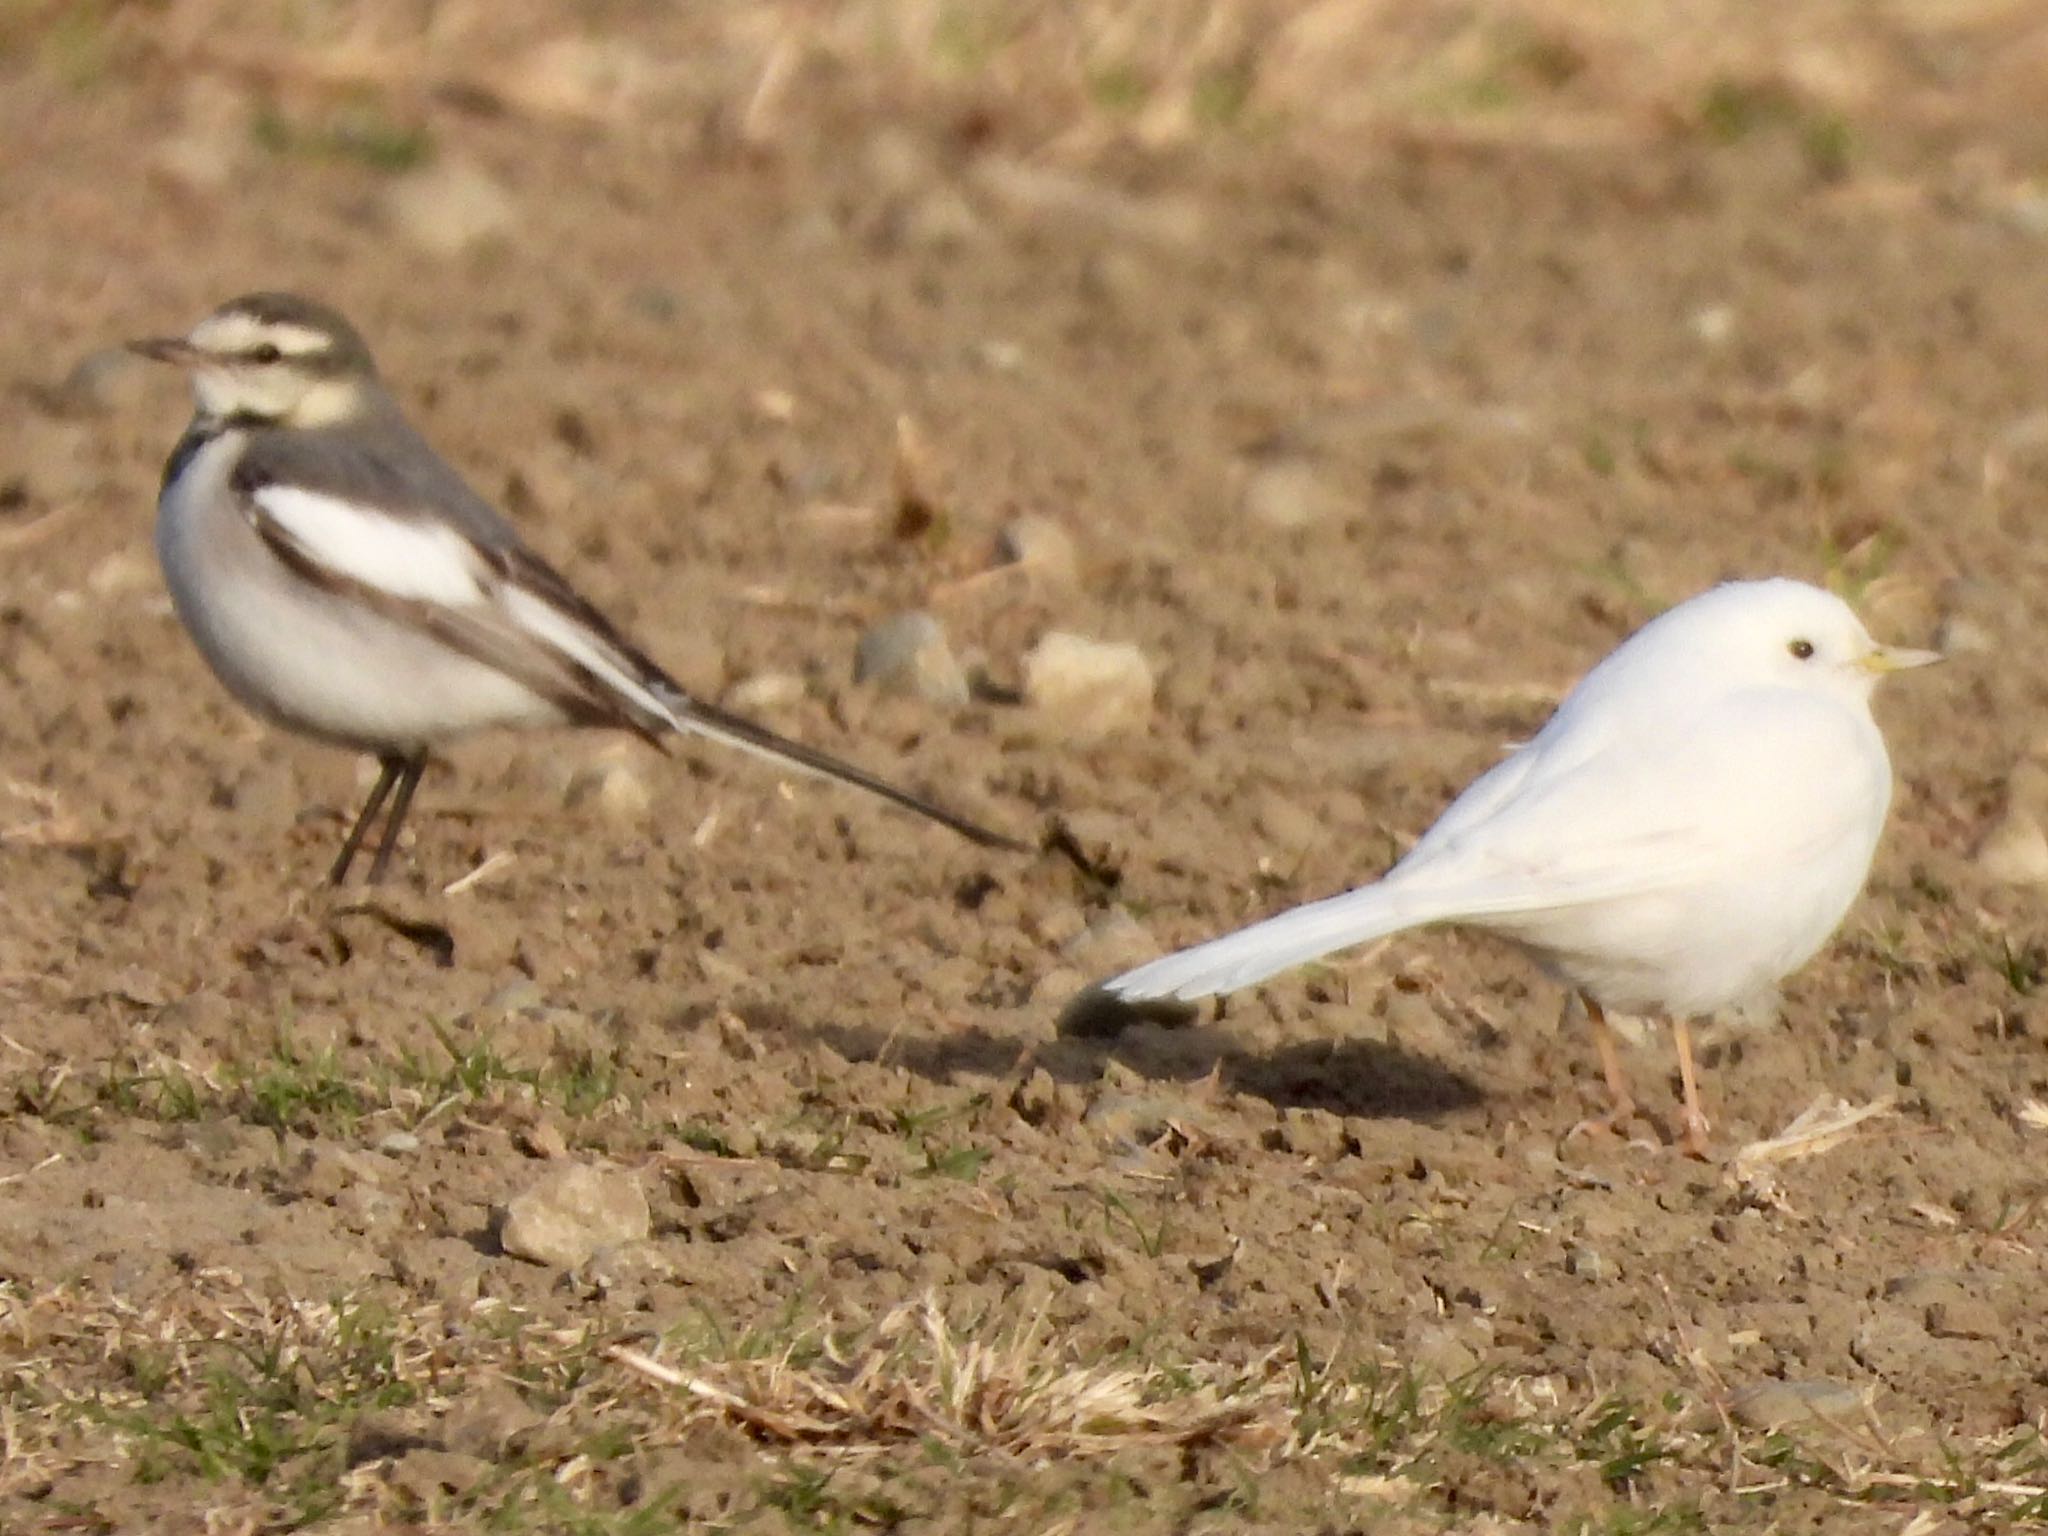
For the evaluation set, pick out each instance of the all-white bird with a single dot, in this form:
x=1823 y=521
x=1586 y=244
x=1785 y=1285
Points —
x=346 y=583
x=1685 y=831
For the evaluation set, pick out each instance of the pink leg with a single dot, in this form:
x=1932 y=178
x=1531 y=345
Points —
x=1623 y=1102
x=1693 y=1118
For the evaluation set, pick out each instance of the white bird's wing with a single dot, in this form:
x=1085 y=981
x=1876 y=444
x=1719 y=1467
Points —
x=1764 y=778
x=352 y=524
x=405 y=557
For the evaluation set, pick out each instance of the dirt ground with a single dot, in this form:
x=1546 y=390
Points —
x=1373 y=420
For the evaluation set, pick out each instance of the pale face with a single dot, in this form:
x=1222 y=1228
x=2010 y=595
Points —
x=247 y=363
x=1790 y=635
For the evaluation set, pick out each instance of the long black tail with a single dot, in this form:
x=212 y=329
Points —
x=738 y=731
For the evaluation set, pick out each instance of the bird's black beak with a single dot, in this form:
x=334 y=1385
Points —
x=166 y=349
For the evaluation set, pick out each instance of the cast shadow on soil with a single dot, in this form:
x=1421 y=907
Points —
x=1368 y=1078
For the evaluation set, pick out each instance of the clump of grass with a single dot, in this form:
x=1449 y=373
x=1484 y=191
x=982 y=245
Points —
x=362 y=130
x=294 y=1090
x=918 y=1378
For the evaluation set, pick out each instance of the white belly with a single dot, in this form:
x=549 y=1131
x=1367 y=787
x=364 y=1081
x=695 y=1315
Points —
x=305 y=658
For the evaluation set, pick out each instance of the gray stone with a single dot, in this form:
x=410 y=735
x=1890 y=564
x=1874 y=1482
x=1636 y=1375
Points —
x=573 y=1212
x=908 y=654
x=103 y=381
x=1771 y=1405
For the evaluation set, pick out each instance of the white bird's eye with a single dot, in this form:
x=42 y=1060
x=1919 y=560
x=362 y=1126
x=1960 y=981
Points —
x=266 y=353
x=1802 y=649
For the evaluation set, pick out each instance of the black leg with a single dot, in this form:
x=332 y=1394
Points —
x=410 y=770
x=391 y=767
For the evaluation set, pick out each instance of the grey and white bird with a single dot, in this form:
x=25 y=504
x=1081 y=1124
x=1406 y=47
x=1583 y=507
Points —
x=347 y=584
x=1687 y=830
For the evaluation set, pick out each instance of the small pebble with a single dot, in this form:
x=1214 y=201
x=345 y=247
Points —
x=1089 y=688
x=908 y=654
x=766 y=691
x=1039 y=544
x=570 y=1213
x=448 y=208
x=103 y=381
x=2015 y=850
x=1771 y=1405
x=613 y=787
x=1286 y=494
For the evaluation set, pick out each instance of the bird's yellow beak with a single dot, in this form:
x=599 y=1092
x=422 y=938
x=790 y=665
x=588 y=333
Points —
x=1884 y=660
x=167 y=349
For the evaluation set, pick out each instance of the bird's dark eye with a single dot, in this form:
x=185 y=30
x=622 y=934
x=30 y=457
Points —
x=1803 y=649
x=264 y=354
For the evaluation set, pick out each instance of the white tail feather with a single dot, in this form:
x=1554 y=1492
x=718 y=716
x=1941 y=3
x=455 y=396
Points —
x=1266 y=949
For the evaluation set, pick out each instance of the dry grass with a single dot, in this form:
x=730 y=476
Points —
x=224 y=1395
x=1076 y=78
x=919 y=1377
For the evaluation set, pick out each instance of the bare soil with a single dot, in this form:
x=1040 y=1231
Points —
x=1538 y=385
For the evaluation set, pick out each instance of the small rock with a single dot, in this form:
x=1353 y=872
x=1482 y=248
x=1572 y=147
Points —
x=613 y=787
x=1772 y=1405
x=568 y=1215
x=1089 y=687
x=1286 y=494
x=1587 y=1264
x=1714 y=324
x=1286 y=827
x=909 y=655
x=575 y=75
x=1000 y=356
x=766 y=691
x=2015 y=850
x=210 y=145
x=449 y=208
x=1437 y=1349
x=1040 y=545
x=102 y=382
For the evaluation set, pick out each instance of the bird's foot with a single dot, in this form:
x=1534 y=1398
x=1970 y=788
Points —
x=1694 y=1125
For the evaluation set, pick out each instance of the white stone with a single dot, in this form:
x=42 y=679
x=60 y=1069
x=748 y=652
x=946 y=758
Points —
x=574 y=1212
x=1089 y=687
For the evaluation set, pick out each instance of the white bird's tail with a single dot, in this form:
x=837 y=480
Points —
x=1279 y=943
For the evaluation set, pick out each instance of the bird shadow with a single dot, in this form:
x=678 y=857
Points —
x=1370 y=1079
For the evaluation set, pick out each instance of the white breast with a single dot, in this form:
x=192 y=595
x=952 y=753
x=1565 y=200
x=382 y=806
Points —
x=306 y=658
